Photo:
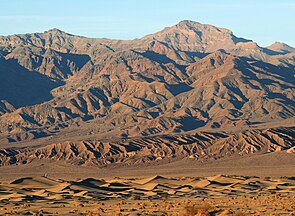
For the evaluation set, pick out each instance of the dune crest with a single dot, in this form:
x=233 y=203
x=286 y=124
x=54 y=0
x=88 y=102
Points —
x=224 y=192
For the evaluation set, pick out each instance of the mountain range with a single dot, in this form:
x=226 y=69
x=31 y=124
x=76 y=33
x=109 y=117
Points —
x=191 y=90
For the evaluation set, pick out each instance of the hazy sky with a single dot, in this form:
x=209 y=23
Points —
x=263 y=21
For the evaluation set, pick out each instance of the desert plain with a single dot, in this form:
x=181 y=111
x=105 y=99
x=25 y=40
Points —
x=185 y=187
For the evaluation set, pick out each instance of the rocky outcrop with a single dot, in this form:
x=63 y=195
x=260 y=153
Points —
x=185 y=78
x=199 y=146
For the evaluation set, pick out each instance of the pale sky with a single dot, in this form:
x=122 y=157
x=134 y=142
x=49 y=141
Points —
x=264 y=21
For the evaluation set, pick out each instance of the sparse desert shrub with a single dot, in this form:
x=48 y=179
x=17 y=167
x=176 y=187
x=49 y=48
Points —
x=164 y=196
x=239 y=214
x=197 y=210
x=136 y=197
x=73 y=211
x=154 y=205
x=190 y=210
x=142 y=206
x=267 y=178
x=119 y=209
x=122 y=202
x=100 y=209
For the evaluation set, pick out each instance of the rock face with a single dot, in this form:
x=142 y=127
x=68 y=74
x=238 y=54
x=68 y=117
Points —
x=199 y=146
x=57 y=87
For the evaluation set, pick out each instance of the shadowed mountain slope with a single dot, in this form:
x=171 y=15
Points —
x=21 y=87
x=191 y=77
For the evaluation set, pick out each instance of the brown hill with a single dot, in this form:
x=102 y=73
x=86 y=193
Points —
x=57 y=87
x=199 y=146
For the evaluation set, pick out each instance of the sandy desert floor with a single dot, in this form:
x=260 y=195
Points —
x=259 y=185
x=157 y=195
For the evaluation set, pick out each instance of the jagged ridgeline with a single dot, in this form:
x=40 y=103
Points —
x=191 y=77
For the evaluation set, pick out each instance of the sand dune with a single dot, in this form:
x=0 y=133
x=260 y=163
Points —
x=40 y=182
x=154 y=195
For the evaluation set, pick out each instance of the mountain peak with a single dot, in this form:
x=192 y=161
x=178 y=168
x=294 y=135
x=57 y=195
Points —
x=193 y=25
x=193 y=36
x=281 y=47
x=187 y=23
x=56 y=31
x=281 y=44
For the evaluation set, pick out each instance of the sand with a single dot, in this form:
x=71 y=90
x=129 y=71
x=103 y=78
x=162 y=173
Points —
x=154 y=195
